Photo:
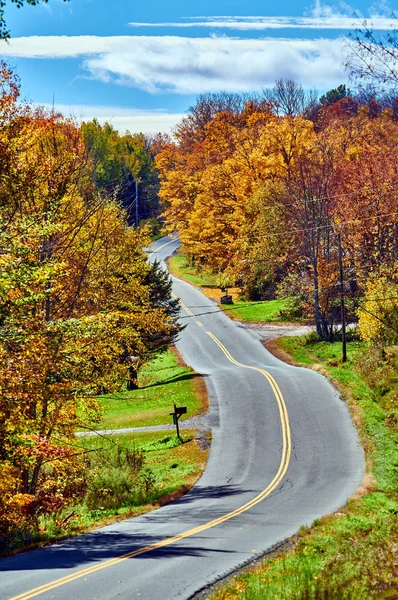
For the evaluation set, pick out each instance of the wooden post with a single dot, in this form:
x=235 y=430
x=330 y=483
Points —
x=177 y=425
x=342 y=307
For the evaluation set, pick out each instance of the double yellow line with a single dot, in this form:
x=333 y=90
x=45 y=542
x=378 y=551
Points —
x=283 y=466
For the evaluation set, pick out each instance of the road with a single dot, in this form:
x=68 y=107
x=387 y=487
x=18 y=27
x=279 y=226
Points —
x=284 y=452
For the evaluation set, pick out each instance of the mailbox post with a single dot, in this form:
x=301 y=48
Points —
x=227 y=298
x=178 y=411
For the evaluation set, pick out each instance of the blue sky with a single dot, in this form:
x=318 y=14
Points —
x=141 y=65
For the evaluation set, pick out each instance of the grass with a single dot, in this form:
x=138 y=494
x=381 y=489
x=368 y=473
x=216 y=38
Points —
x=162 y=382
x=267 y=311
x=180 y=267
x=351 y=554
x=116 y=491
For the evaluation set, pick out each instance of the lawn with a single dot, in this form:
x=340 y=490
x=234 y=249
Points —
x=180 y=267
x=162 y=382
x=351 y=554
x=267 y=311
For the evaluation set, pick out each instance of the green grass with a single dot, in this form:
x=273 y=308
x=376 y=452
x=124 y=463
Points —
x=180 y=267
x=162 y=382
x=267 y=311
x=350 y=555
x=115 y=491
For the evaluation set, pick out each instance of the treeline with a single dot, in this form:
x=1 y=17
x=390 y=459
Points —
x=80 y=307
x=260 y=189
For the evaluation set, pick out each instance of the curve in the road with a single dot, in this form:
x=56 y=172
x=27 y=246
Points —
x=312 y=459
x=283 y=466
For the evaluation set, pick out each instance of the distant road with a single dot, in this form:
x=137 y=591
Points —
x=284 y=452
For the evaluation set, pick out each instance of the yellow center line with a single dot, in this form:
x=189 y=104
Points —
x=187 y=310
x=282 y=469
x=160 y=247
x=199 y=323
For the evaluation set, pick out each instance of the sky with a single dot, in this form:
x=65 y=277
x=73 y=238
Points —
x=141 y=65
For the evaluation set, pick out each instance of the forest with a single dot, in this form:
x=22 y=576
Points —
x=261 y=190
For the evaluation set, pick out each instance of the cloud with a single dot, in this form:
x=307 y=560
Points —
x=193 y=65
x=122 y=119
x=321 y=17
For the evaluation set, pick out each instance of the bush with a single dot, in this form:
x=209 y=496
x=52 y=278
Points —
x=119 y=479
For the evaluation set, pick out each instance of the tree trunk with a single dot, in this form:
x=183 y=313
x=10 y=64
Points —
x=132 y=382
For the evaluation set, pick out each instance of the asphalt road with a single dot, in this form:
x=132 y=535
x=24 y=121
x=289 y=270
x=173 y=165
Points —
x=284 y=452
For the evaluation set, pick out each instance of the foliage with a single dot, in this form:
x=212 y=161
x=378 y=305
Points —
x=378 y=313
x=335 y=95
x=118 y=162
x=78 y=301
x=259 y=196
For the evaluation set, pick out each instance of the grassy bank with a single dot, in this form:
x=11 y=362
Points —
x=162 y=382
x=127 y=475
x=352 y=554
x=130 y=474
x=267 y=311
x=180 y=267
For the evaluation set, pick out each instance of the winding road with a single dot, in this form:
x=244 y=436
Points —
x=284 y=452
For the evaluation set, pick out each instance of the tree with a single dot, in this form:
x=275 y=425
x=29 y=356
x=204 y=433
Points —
x=335 y=95
x=4 y=33
x=373 y=56
x=118 y=162
x=78 y=301
x=378 y=313
x=289 y=98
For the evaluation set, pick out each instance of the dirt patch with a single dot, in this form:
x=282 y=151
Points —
x=272 y=331
x=201 y=392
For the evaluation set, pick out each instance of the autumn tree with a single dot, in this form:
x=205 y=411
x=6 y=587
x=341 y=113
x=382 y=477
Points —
x=78 y=304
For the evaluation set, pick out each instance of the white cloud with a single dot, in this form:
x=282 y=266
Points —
x=122 y=119
x=321 y=17
x=193 y=65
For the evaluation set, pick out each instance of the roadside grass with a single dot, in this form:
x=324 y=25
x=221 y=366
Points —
x=353 y=553
x=159 y=465
x=130 y=474
x=162 y=382
x=180 y=267
x=127 y=475
x=267 y=311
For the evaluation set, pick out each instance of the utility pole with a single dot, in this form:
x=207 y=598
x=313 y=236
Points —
x=342 y=307
x=136 y=204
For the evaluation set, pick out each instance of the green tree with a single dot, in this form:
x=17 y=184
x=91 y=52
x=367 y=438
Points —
x=118 y=162
x=335 y=95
